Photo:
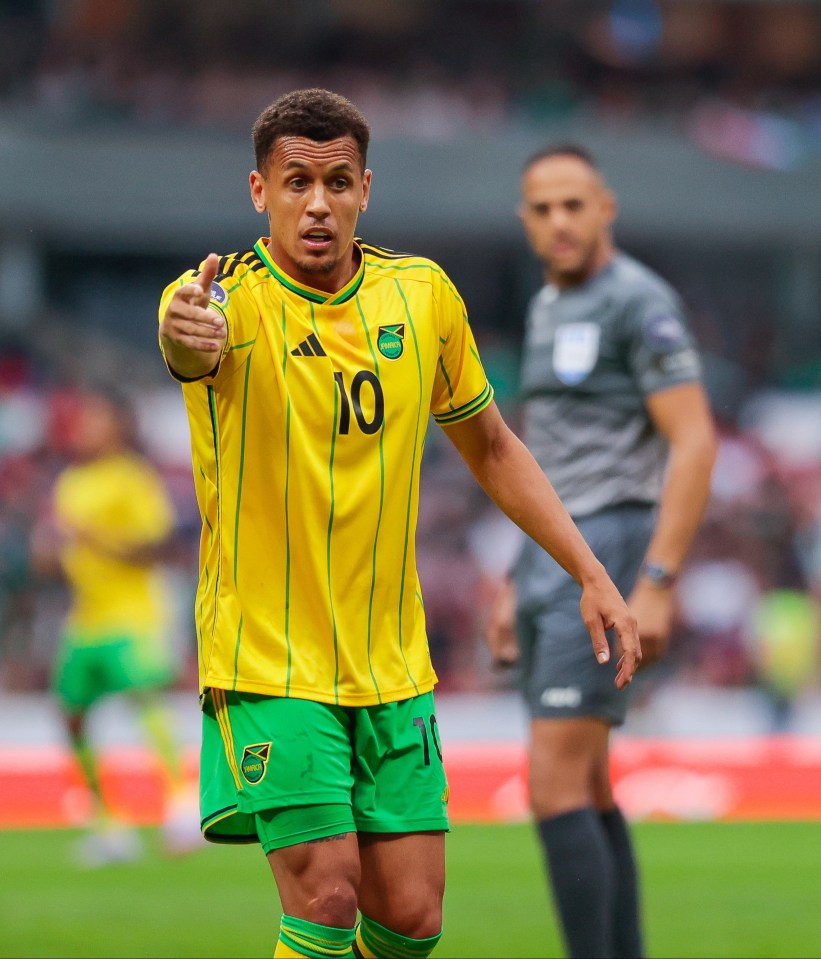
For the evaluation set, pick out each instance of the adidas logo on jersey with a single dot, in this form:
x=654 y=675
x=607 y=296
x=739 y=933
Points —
x=309 y=347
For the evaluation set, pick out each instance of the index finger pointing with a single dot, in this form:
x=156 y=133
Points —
x=208 y=273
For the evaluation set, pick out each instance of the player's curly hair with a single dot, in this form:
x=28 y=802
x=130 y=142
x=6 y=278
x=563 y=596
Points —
x=313 y=113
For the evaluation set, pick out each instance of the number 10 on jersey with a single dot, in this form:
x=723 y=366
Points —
x=352 y=399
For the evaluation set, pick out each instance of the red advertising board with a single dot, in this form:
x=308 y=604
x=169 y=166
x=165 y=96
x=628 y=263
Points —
x=761 y=778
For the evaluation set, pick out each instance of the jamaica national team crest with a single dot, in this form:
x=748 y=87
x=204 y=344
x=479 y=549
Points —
x=254 y=763
x=391 y=340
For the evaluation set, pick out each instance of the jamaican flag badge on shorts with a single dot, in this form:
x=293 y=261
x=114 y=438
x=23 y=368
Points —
x=254 y=762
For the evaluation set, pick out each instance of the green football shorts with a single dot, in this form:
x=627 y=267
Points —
x=281 y=771
x=86 y=671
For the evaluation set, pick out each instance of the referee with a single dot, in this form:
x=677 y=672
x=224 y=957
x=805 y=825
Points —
x=616 y=416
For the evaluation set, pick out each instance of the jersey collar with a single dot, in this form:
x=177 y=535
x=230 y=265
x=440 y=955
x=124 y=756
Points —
x=308 y=292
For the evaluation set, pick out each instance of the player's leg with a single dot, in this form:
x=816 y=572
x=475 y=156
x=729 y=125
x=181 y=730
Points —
x=180 y=825
x=573 y=705
x=620 y=537
x=563 y=756
x=143 y=670
x=318 y=882
x=278 y=771
x=403 y=883
x=625 y=925
x=76 y=689
x=76 y=723
x=627 y=931
x=80 y=680
x=565 y=688
x=400 y=805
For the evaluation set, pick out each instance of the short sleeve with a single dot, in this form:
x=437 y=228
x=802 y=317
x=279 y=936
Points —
x=662 y=349
x=219 y=303
x=461 y=388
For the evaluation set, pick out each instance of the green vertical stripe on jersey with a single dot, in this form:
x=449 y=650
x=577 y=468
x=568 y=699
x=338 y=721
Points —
x=421 y=265
x=412 y=474
x=212 y=408
x=241 y=462
x=331 y=524
x=207 y=574
x=236 y=651
x=239 y=500
x=447 y=378
x=287 y=508
x=381 y=502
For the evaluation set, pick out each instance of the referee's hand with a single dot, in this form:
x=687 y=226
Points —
x=500 y=627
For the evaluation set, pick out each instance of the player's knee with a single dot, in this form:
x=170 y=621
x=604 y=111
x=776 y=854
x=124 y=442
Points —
x=418 y=919
x=333 y=904
x=558 y=790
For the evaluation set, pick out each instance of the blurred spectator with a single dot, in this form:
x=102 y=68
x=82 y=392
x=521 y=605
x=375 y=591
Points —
x=783 y=634
x=742 y=79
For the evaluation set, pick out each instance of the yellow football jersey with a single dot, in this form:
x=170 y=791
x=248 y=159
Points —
x=307 y=443
x=121 y=502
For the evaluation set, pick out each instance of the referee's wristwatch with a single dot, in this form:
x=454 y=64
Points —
x=659 y=576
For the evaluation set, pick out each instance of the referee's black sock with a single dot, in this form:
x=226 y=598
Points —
x=582 y=874
x=627 y=938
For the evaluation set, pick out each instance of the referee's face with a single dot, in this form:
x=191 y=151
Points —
x=567 y=212
x=313 y=193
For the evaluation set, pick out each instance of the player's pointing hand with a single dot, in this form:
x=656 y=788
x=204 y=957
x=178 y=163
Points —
x=603 y=608
x=192 y=334
x=205 y=279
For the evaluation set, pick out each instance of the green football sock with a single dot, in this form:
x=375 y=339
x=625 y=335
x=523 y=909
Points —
x=298 y=937
x=376 y=942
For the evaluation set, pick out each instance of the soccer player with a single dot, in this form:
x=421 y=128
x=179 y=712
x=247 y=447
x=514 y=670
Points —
x=309 y=364
x=111 y=519
x=616 y=416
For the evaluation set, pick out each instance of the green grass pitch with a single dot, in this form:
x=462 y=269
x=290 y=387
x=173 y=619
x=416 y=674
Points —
x=710 y=889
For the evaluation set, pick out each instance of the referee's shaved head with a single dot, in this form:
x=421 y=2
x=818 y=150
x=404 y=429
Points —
x=573 y=151
x=562 y=150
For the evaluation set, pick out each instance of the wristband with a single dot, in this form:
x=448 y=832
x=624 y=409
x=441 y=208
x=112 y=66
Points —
x=658 y=575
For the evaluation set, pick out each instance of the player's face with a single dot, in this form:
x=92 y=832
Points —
x=313 y=194
x=96 y=430
x=567 y=212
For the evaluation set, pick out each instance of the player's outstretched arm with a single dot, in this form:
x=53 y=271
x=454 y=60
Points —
x=192 y=335
x=509 y=474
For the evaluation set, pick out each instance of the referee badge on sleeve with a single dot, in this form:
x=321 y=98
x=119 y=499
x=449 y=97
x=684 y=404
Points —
x=218 y=294
x=664 y=333
x=575 y=351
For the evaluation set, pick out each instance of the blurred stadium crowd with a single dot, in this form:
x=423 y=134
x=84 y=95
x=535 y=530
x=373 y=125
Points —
x=743 y=80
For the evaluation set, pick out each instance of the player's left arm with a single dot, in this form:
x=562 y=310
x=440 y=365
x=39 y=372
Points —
x=133 y=553
x=682 y=415
x=509 y=474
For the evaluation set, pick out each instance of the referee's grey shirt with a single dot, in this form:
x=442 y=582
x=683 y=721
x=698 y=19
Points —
x=591 y=355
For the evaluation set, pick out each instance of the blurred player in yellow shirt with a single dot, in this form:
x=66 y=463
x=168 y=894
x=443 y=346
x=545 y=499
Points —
x=111 y=520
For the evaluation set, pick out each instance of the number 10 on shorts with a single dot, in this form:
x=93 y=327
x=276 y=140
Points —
x=420 y=724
